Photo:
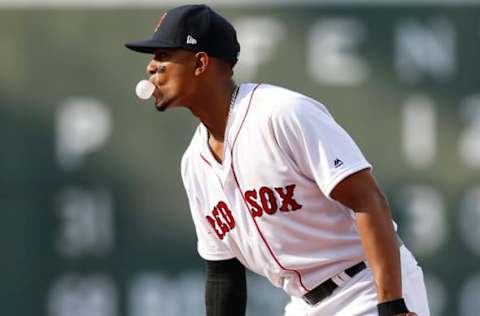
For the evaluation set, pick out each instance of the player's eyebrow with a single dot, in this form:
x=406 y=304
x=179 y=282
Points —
x=161 y=54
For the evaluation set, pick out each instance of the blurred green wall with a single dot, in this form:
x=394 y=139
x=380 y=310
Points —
x=92 y=208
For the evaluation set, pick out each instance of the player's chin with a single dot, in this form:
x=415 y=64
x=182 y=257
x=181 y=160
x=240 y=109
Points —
x=161 y=104
x=161 y=107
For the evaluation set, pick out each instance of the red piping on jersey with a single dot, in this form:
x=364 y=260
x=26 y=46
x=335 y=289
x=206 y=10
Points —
x=243 y=121
x=248 y=209
x=205 y=159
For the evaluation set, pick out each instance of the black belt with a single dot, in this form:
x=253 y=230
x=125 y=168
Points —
x=327 y=287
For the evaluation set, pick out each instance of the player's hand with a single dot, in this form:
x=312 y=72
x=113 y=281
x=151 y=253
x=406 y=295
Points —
x=407 y=314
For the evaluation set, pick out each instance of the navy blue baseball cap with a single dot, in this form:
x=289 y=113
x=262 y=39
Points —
x=196 y=28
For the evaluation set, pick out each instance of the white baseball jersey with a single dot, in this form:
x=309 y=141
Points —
x=268 y=203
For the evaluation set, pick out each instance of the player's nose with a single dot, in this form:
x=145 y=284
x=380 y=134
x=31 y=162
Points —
x=152 y=68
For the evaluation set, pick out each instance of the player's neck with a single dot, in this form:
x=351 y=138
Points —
x=214 y=110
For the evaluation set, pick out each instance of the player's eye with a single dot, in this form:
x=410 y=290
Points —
x=161 y=56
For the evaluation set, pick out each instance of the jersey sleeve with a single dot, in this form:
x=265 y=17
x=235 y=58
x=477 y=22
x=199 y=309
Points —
x=320 y=148
x=209 y=247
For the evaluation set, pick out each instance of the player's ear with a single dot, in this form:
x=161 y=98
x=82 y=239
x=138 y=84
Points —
x=201 y=63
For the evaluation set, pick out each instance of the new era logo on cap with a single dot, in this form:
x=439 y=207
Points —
x=191 y=40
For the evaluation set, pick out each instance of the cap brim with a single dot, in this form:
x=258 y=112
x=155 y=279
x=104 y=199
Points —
x=147 y=46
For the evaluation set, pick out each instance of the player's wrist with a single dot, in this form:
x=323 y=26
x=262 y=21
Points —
x=393 y=307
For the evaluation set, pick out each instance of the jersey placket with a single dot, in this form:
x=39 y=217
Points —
x=255 y=228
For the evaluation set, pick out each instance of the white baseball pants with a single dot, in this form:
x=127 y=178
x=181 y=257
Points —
x=358 y=297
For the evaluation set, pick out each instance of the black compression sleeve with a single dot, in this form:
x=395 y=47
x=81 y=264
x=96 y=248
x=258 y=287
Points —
x=226 y=288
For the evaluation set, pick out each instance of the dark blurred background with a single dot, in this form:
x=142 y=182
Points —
x=93 y=216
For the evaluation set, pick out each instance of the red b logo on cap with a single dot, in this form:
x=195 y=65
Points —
x=159 y=22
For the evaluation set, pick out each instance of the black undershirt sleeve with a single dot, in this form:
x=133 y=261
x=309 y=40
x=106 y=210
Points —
x=226 y=288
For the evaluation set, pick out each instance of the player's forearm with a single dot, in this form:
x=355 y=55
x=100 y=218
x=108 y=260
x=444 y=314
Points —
x=380 y=243
x=225 y=293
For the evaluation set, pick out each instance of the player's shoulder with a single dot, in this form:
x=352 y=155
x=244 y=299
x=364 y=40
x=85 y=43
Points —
x=280 y=103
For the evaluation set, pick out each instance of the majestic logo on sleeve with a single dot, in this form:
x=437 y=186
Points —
x=338 y=163
x=221 y=219
x=269 y=201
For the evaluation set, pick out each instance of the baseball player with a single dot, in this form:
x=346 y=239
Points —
x=276 y=185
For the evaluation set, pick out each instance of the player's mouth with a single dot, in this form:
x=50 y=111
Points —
x=160 y=101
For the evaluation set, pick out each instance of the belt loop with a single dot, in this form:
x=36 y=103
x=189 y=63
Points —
x=341 y=278
x=326 y=288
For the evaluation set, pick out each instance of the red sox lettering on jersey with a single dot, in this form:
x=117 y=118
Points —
x=221 y=219
x=265 y=199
